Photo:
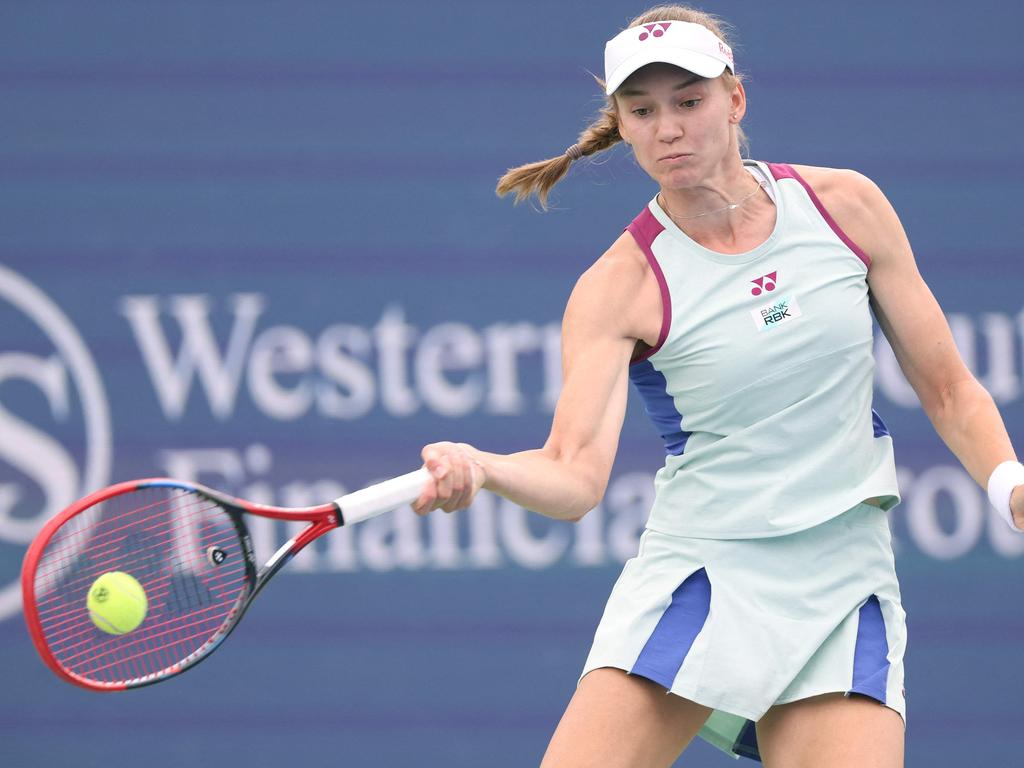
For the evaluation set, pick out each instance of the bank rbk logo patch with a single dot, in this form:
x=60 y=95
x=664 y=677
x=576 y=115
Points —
x=776 y=313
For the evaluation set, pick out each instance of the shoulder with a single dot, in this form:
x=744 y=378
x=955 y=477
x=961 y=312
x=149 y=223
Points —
x=624 y=260
x=618 y=272
x=858 y=206
x=842 y=191
x=606 y=293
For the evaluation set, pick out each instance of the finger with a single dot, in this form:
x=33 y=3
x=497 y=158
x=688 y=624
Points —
x=431 y=456
x=443 y=480
x=425 y=500
x=471 y=486
x=458 y=480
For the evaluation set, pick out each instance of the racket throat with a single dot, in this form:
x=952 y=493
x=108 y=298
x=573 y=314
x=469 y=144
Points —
x=293 y=546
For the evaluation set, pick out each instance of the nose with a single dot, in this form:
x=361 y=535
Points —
x=669 y=128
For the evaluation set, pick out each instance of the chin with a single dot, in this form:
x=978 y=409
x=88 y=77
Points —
x=679 y=178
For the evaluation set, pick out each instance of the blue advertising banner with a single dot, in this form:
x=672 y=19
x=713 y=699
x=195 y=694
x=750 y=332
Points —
x=256 y=245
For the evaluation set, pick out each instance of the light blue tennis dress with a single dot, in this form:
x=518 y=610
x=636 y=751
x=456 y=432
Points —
x=762 y=578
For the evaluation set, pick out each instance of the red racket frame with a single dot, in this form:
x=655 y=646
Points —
x=322 y=518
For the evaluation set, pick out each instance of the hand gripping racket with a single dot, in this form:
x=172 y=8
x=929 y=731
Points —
x=188 y=548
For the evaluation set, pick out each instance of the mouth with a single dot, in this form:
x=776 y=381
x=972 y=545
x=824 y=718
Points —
x=675 y=156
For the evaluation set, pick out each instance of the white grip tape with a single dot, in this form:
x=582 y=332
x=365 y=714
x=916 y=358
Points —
x=382 y=497
x=1001 y=483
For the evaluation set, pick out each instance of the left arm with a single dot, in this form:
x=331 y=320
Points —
x=959 y=407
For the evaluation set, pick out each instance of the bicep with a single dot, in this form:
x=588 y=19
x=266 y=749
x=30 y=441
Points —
x=908 y=313
x=592 y=403
x=596 y=349
x=917 y=331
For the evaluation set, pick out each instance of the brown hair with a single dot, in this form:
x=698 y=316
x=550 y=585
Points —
x=540 y=177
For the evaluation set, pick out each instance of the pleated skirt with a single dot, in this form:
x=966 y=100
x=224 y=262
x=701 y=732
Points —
x=740 y=625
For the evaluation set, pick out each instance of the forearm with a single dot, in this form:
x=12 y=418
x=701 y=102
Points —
x=969 y=423
x=542 y=481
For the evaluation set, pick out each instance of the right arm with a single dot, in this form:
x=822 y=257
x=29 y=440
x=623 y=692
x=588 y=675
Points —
x=615 y=303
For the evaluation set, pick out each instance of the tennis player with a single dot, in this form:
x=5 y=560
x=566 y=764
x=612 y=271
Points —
x=763 y=597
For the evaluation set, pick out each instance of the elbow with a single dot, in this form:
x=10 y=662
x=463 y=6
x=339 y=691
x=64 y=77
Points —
x=589 y=492
x=588 y=501
x=586 y=481
x=577 y=505
x=576 y=517
x=935 y=404
x=947 y=401
x=957 y=407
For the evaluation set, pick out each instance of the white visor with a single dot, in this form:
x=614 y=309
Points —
x=691 y=46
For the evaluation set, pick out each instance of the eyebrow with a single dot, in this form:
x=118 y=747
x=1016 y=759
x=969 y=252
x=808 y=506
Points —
x=686 y=83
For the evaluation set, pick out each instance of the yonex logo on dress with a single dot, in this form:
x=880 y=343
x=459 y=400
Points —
x=655 y=30
x=764 y=283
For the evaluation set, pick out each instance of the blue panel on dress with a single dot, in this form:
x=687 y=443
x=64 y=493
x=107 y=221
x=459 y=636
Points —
x=878 y=424
x=660 y=407
x=746 y=744
x=666 y=648
x=871 y=654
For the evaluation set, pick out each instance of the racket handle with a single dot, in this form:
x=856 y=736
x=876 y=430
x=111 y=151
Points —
x=382 y=497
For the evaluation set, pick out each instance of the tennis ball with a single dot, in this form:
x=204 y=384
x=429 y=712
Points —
x=116 y=602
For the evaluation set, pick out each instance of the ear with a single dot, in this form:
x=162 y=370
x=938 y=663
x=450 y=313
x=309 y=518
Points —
x=737 y=103
x=618 y=122
x=623 y=133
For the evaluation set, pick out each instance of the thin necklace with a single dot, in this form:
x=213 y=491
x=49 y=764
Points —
x=730 y=207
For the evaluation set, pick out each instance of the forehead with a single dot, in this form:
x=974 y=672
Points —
x=656 y=76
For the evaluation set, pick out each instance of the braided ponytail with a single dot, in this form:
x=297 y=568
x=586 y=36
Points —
x=539 y=178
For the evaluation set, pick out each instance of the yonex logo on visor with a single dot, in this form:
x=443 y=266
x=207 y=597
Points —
x=655 y=29
x=692 y=47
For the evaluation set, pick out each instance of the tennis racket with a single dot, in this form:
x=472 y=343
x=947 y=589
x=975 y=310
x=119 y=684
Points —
x=187 y=546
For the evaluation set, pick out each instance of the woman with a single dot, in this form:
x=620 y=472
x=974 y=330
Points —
x=763 y=598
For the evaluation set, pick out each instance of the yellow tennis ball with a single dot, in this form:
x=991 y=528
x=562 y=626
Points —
x=117 y=603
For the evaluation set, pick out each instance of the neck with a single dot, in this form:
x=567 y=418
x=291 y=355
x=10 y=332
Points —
x=723 y=186
x=723 y=212
x=728 y=207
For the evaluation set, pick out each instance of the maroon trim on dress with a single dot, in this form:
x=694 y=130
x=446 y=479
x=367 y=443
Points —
x=644 y=229
x=785 y=171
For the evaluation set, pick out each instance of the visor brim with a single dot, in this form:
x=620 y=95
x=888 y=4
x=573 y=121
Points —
x=700 y=64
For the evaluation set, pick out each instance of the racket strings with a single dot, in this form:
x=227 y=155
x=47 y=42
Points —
x=153 y=641
x=165 y=538
x=62 y=625
x=140 y=545
x=100 y=547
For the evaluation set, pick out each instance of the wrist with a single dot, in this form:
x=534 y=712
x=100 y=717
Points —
x=1017 y=506
x=1006 y=493
x=476 y=459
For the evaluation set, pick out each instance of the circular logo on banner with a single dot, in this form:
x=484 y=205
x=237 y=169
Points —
x=42 y=476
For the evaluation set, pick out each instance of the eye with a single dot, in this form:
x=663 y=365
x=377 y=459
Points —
x=641 y=111
x=690 y=103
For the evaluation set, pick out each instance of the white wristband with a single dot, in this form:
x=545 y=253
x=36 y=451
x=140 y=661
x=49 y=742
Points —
x=1003 y=480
